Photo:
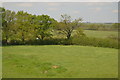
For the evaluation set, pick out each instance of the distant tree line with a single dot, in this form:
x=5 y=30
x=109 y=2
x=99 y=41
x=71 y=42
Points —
x=24 y=28
x=100 y=26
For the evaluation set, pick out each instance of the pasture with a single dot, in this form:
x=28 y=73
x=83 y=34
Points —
x=57 y=61
x=39 y=46
x=101 y=34
x=92 y=33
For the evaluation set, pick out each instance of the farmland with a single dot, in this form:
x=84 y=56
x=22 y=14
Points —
x=71 y=62
x=100 y=34
x=93 y=33
x=38 y=45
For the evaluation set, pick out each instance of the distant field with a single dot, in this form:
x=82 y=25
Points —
x=100 y=34
x=59 y=61
x=93 y=33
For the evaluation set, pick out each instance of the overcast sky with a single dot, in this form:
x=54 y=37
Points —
x=89 y=11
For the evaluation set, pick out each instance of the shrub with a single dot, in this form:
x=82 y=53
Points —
x=97 y=42
x=75 y=40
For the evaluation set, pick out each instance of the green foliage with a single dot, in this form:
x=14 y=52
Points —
x=22 y=28
x=7 y=25
x=97 y=42
x=67 y=25
x=79 y=32
x=44 y=26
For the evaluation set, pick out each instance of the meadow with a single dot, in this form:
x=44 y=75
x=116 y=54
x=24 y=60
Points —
x=39 y=46
x=58 y=61
x=101 y=34
x=92 y=33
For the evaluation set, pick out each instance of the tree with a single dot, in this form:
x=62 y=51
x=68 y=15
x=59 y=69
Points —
x=7 y=24
x=67 y=25
x=44 y=26
x=23 y=25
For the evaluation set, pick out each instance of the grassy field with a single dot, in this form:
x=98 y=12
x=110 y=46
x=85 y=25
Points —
x=93 y=33
x=59 y=61
x=100 y=34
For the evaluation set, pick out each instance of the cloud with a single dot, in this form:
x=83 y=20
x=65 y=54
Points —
x=96 y=3
x=24 y=4
x=76 y=12
x=53 y=4
x=97 y=9
x=52 y=9
x=1 y=4
x=115 y=11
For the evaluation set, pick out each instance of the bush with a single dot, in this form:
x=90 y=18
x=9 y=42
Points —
x=97 y=42
x=50 y=41
x=75 y=40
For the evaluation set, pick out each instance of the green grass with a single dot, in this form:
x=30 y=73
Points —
x=72 y=62
x=100 y=34
x=91 y=33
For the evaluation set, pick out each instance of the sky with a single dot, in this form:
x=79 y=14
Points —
x=99 y=12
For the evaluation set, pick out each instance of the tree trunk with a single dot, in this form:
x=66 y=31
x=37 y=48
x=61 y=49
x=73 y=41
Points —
x=42 y=37
x=23 y=39
x=6 y=40
x=68 y=35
